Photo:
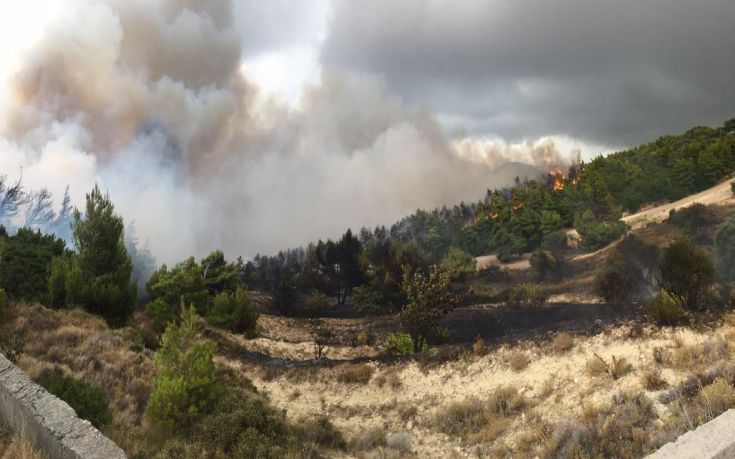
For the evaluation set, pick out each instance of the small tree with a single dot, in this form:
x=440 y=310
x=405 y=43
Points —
x=322 y=337
x=185 y=386
x=686 y=273
x=429 y=298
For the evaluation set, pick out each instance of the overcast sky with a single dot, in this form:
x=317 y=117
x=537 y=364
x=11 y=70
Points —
x=613 y=73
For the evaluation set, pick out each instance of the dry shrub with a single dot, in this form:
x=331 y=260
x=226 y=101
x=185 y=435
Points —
x=482 y=420
x=619 y=367
x=596 y=366
x=729 y=318
x=651 y=379
x=407 y=411
x=367 y=440
x=563 y=342
x=478 y=347
x=694 y=403
x=270 y=372
x=519 y=361
x=711 y=351
x=391 y=377
x=619 y=430
x=547 y=388
x=355 y=374
x=362 y=338
x=717 y=397
x=20 y=447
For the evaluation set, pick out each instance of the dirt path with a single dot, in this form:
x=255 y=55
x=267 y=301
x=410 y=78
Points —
x=719 y=194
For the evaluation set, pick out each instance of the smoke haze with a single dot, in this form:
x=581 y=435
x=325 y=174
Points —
x=151 y=99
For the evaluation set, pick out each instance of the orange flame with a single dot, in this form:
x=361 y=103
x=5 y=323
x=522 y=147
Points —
x=558 y=176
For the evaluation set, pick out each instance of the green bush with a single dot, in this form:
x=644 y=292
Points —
x=185 y=387
x=161 y=313
x=89 y=402
x=458 y=263
x=543 y=262
x=397 y=344
x=686 y=273
x=596 y=234
x=665 y=310
x=3 y=302
x=24 y=270
x=528 y=295
x=692 y=218
x=182 y=283
x=234 y=311
x=317 y=302
x=614 y=282
x=429 y=298
x=369 y=301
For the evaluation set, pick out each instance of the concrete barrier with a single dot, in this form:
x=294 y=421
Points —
x=713 y=440
x=50 y=424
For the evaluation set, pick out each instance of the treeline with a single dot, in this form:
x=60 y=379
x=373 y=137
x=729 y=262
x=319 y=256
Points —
x=526 y=217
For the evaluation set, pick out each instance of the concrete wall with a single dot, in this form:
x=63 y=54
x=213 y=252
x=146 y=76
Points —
x=51 y=425
x=713 y=440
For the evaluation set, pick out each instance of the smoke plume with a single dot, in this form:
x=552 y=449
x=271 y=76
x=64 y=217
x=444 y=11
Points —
x=150 y=99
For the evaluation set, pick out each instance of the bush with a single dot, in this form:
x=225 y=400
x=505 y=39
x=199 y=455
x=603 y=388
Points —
x=161 y=313
x=24 y=270
x=317 y=302
x=89 y=402
x=693 y=217
x=458 y=263
x=519 y=361
x=614 y=282
x=355 y=374
x=724 y=250
x=185 y=387
x=563 y=342
x=234 y=311
x=3 y=302
x=597 y=234
x=11 y=343
x=686 y=273
x=543 y=262
x=664 y=310
x=321 y=431
x=397 y=344
x=182 y=283
x=369 y=300
x=651 y=380
x=527 y=295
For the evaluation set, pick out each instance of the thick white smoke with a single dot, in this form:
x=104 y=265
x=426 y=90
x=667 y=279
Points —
x=149 y=98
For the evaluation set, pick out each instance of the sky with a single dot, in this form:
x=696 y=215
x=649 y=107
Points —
x=254 y=126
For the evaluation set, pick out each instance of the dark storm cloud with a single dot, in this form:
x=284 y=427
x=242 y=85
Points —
x=611 y=72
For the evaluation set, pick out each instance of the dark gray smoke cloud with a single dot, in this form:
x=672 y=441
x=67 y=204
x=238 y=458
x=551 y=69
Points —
x=614 y=73
x=149 y=98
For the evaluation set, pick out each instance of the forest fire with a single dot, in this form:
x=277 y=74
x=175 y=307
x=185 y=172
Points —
x=558 y=176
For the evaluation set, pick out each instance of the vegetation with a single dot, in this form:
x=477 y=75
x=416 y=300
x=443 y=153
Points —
x=397 y=344
x=686 y=273
x=185 y=387
x=234 y=311
x=97 y=275
x=614 y=282
x=24 y=271
x=724 y=251
x=528 y=295
x=89 y=402
x=429 y=298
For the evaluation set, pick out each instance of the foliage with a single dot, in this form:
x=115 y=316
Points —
x=339 y=261
x=724 y=250
x=185 y=386
x=11 y=342
x=665 y=310
x=89 y=402
x=3 y=303
x=317 y=302
x=97 y=276
x=26 y=257
x=234 y=311
x=458 y=263
x=184 y=282
x=322 y=336
x=429 y=298
x=528 y=295
x=162 y=314
x=543 y=263
x=397 y=344
x=686 y=273
x=693 y=217
x=596 y=234
x=369 y=300
x=614 y=281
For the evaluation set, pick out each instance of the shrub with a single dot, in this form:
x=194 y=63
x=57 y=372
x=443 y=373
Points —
x=596 y=234
x=355 y=374
x=596 y=366
x=458 y=263
x=429 y=298
x=317 y=302
x=692 y=218
x=478 y=347
x=26 y=256
x=11 y=343
x=614 y=282
x=543 y=262
x=321 y=431
x=234 y=311
x=527 y=295
x=519 y=361
x=369 y=300
x=3 y=303
x=563 y=342
x=724 y=250
x=89 y=402
x=397 y=344
x=161 y=313
x=651 y=379
x=717 y=397
x=322 y=336
x=686 y=273
x=182 y=283
x=506 y=401
x=185 y=386
x=664 y=310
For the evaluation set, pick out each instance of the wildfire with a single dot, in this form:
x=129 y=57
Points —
x=558 y=176
x=493 y=215
x=516 y=207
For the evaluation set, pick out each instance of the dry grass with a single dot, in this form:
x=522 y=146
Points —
x=390 y=377
x=562 y=342
x=478 y=347
x=519 y=361
x=616 y=368
x=596 y=366
x=693 y=356
x=355 y=374
x=15 y=445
